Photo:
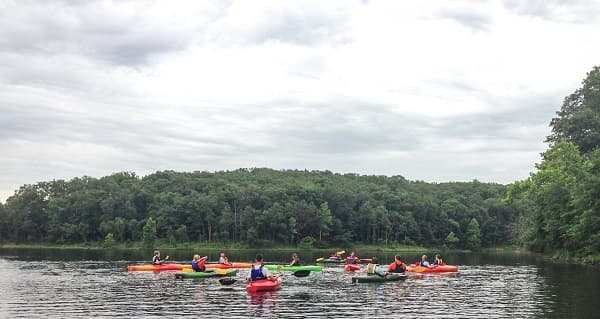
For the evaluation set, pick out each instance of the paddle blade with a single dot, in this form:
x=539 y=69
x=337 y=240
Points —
x=227 y=281
x=341 y=252
x=320 y=259
x=301 y=273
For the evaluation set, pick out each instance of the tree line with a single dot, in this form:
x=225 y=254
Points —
x=560 y=202
x=259 y=207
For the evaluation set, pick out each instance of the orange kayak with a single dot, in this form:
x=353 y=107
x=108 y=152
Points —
x=157 y=267
x=431 y=269
x=264 y=285
x=351 y=267
x=228 y=266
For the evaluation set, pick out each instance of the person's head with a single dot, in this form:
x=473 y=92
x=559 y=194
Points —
x=424 y=257
x=156 y=253
x=196 y=257
x=374 y=260
x=352 y=254
x=259 y=258
x=397 y=258
x=438 y=257
x=295 y=255
x=222 y=254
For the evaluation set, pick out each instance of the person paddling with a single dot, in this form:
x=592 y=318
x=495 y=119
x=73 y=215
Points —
x=257 y=271
x=374 y=269
x=156 y=259
x=223 y=259
x=352 y=259
x=424 y=262
x=397 y=266
x=438 y=261
x=198 y=263
x=295 y=260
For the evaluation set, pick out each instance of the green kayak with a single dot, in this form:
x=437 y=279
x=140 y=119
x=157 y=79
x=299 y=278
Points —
x=294 y=268
x=376 y=278
x=206 y=274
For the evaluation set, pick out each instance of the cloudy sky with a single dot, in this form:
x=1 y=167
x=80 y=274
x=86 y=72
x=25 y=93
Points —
x=430 y=90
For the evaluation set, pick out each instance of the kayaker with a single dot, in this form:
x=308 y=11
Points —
x=374 y=269
x=156 y=259
x=352 y=259
x=198 y=263
x=257 y=271
x=424 y=262
x=397 y=266
x=223 y=259
x=295 y=260
x=438 y=261
x=335 y=255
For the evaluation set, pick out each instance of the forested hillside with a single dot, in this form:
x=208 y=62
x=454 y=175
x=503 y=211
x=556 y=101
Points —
x=560 y=203
x=259 y=207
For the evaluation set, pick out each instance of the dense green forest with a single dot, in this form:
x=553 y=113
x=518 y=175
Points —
x=556 y=210
x=560 y=203
x=259 y=207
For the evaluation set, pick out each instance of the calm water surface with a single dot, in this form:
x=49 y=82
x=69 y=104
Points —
x=83 y=284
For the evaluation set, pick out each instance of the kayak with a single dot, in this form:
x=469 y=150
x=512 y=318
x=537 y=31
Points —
x=206 y=274
x=264 y=285
x=351 y=267
x=228 y=266
x=294 y=268
x=376 y=278
x=157 y=267
x=330 y=261
x=432 y=269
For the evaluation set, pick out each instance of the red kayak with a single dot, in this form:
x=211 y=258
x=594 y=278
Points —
x=351 y=267
x=157 y=267
x=264 y=285
x=431 y=269
x=228 y=266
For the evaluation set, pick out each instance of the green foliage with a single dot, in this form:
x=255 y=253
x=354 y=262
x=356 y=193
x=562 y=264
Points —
x=473 y=235
x=578 y=120
x=255 y=207
x=109 y=240
x=451 y=240
x=307 y=242
x=149 y=233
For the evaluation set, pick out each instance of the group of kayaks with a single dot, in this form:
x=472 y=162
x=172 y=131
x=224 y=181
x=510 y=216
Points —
x=230 y=270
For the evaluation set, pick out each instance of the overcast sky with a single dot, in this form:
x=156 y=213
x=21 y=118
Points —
x=430 y=90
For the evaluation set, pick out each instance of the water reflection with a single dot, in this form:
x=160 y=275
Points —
x=496 y=287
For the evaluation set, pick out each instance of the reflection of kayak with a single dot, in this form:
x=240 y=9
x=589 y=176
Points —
x=228 y=266
x=264 y=285
x=157 y=267
x=376 y=278
x=204 y=274
x=350 y=267
x=443 y=268
x=294 y=268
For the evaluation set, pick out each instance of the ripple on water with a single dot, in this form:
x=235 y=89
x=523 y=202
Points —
x=95 y=289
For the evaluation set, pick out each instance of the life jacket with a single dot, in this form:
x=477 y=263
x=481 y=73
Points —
x=371 y=268
x=257 y=274
x=198 y=265
x=397 y=267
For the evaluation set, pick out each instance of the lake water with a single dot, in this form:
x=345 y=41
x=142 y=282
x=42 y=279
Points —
x=46 y=283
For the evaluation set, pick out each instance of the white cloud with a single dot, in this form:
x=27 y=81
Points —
x=434 y=91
